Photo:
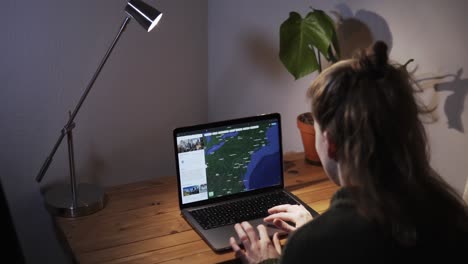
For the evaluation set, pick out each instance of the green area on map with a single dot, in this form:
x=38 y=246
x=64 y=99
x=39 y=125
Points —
x=227 y=165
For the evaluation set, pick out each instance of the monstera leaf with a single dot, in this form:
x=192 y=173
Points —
x=299 y=37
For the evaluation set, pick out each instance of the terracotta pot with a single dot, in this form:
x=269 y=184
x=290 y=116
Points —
x=305 y=123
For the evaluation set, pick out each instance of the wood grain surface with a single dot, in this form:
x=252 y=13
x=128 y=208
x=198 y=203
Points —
x=141 y=222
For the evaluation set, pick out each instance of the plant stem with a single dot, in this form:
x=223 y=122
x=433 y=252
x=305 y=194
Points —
x=319 y=61
x=332 y=57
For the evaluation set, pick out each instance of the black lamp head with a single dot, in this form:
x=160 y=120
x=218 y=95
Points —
x=147 y=16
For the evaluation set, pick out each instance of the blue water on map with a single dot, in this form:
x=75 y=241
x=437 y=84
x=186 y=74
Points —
x=264 y=168
x=218 y=146
x=266 y=173
x=214 y=148
x=230 y=134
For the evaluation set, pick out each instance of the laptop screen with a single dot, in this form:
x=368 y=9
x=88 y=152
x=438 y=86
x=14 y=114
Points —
x=229 y=157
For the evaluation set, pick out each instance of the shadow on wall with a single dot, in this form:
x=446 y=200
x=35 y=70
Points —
x=355 y=32
x=360 y=30
x=454 y=104
x=263 y=53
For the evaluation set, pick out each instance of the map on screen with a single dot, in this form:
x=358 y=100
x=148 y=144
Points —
x=236 y=161
x=229 y=160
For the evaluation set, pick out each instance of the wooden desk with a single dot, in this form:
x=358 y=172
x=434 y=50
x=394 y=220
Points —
x=142 y=223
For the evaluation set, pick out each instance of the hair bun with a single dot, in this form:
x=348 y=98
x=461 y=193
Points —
x=379 y=53
x=373 y=62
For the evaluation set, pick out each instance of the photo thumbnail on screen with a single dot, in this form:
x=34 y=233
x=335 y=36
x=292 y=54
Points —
x=191 y=144
x=195 y=189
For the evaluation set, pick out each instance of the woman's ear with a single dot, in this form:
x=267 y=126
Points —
x=331 y=146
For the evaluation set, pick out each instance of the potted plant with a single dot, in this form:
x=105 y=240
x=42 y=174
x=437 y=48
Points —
x=303 y=41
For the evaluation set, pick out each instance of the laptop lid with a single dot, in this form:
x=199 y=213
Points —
x=228 y=159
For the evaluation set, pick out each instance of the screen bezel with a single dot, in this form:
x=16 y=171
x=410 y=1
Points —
x=181 y=130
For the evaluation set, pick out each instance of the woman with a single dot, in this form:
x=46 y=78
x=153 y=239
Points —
x=392 y=204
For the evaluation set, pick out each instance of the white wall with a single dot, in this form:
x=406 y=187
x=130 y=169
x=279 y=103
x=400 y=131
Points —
x=151 y=83
x=245 y=76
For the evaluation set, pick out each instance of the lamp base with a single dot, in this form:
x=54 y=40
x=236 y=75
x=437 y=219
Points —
x=90 y=199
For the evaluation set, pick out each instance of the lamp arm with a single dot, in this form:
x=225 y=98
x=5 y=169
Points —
x=69 y=124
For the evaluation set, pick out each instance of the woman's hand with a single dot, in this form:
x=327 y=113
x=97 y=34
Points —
x=256 y=248
x=281 y=214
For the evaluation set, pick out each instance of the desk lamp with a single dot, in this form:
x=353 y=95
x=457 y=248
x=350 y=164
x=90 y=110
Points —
x=78 y=200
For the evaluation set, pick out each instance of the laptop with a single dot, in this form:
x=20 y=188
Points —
x=228 y=172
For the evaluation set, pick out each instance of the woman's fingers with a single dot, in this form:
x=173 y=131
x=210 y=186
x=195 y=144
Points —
x=283 y=216
x=249 y=230
x=237 y=250
x=277 y=243
x=244 y=238
x=279 y=208
x=234 y=245
x=256 y=247
x=283 y=225
x=262 y=232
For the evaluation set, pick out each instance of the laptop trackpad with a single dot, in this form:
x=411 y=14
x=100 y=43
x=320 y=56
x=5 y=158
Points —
x=220 y=236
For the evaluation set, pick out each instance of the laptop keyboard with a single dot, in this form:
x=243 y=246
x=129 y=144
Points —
x=241 y=210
